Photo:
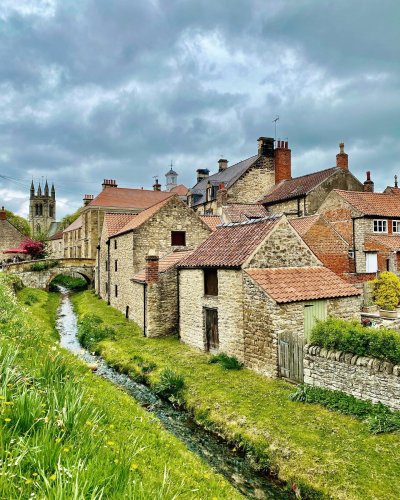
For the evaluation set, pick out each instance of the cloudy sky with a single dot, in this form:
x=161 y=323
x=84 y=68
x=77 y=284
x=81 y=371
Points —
x=93 y=89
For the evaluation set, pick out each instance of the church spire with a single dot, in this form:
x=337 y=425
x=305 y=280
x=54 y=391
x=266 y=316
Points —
x=32 y=189
x=39 y=191
x=53 y=191
x=46 y=189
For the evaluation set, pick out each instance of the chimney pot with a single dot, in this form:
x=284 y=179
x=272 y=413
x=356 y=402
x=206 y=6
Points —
x=368 y=184
x=202 y=173
x=152 y=265
x=283 y=162
x=342 y=159
x=222 y=164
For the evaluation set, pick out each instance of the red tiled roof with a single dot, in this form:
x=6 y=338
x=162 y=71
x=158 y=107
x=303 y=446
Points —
x=303 y=224
x=293 y=284
x=230 y=245
x=57 y=236
x=114 y=222
x=165 y=263
x=239 y=212
x=379 y=204
x=212 y=221
x=128 y=198
x=372 y=242
x=180 y=190
x=298 y=186
x=144 y=216
x=74 y=225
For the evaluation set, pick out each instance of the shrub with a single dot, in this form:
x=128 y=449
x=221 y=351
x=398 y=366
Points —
x=69 y=282
x=350 y=336
x=43 y=266
x=90 y=331
x=227 y=362
x=171 y=384
x=378 y=417
x=31 y=298
x=387 y=291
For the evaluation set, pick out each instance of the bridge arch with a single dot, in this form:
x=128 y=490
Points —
x=69 y=272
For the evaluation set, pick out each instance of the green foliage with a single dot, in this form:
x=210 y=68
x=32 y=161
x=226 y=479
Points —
x=171 y=384
x=339 y=335
x=43 y=266
x=227 y=362
x=19 y=222
x=378 y=417
x=387 y=291
x=69 y=219
x=30 y=299
x=75 y=284
x=91 y=331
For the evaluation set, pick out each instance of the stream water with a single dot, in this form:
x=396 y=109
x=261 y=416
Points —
x=212 y=449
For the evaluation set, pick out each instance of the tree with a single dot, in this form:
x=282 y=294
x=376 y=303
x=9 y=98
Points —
x=19 y=222
x=69 y=219
x=36 y=249
x=387 y=291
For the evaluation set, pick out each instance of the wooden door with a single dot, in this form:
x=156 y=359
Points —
x=313 y=310
x=290 y=355
x=211 y=329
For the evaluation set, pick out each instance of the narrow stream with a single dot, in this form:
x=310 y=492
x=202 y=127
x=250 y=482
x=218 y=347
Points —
x=213 y=450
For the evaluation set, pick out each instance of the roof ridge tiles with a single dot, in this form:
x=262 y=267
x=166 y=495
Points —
x=251 y=221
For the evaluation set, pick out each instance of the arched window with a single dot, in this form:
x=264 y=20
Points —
x=51 y=211
x=38 y=228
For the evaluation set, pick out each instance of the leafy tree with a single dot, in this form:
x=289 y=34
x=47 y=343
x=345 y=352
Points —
x=35 y=248
x=69 y=219
x=19 y=222
x=387 y=291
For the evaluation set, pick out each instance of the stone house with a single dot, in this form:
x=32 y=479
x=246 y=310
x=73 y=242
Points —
x=302 y=196
x=10 y=237
x=235 y=212
x=55 y=245
x=219 y=308
x=127 y=239
x=73 y=240
x=370 y=222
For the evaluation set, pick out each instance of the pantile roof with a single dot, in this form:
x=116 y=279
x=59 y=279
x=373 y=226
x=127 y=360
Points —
x=180 y=190
x=240 y=212
x=57 y=236
x=373 y=242
x=231 y=244
x=293 y=284
x=228 y=176
x=114 y=222
x=379 y=204
x=128 y=198
x=212 y=221
x=165 y=263
x=303 y=224
x=77 y=224
x=298 y=186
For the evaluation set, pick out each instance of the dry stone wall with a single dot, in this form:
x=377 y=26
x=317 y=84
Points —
x=363 y=377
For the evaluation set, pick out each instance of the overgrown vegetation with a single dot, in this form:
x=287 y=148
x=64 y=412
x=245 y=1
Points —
x=69 y=219
x=171 y=385
x=386 y=291
x=91 y=331
x=378 y=417
x=43 y=266
x=227 y=362
x=74 y=284
x=350 y=336
x=19 y=222
x=321 y=451
x=68 y=434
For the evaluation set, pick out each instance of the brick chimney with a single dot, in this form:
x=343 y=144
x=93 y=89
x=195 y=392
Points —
x=368 y=184
x=222 y=165
x=151 y=271
x=342 y=159
x=222 y=196
x=3 y=214
x=87 y=199
x=283 y=161
x=109 y=183
x=156 y=186
x=202 y=173
x=266 y=147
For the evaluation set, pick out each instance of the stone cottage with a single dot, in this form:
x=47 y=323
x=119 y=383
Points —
x=221 y=312
x=55 y=245
x=10 y=237
x=128 y=238
x=301 y=196
x=370 y=222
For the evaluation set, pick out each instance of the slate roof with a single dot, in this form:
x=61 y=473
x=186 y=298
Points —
x=239 y=212
x=212 y=221
x=114 y=222
x=228 y=176
x=164 y=264
x=378 y=204
x=128 y=198
x=77 y=224
x=231 y=244
x=293 y=284
x=53 y=228
x=298 y=186
x=373 y=242
x=302 y=224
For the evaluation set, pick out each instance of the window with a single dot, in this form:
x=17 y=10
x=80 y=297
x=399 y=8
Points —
x=116 y=265
x=210 y=282
x=396 y=226
x=115 y=244
x=106 y=265
x=178 y=238
x=106 y=286
x=351 y=254
x=116 y=290
x=380 y=226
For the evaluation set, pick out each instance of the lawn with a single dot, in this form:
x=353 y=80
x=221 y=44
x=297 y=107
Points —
x=319 y=450
x=67 y=433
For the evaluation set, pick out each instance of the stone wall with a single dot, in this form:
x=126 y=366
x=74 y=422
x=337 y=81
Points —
x=121 y=278
x=254 y=183
x=10 y=237
x=291 y=208
x=228 y=302
x=362 y=377
x=136 y=304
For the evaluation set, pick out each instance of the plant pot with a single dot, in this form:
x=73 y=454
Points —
x=383 y=313
x=370 y=309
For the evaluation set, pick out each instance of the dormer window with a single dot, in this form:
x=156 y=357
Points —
x=209 y=193
x=380 y=226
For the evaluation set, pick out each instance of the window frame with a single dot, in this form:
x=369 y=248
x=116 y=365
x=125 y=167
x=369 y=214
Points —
x=396 y=222
x=210 y=289
x=176 y=233
x=377 y=222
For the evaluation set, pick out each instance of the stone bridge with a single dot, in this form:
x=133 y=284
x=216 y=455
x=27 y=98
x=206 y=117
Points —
x=40 y=273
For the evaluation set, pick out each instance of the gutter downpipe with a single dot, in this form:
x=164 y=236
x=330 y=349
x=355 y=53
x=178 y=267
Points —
x=108 y=272
x=354 y=245
x=98 y=270
x=144 y=309
x=178 y=305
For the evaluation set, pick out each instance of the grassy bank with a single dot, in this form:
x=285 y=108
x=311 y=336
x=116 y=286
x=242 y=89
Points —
x=307 y=445
x=66 y=433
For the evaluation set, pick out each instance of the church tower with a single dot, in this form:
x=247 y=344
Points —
x=171 y=179
x=42 y=209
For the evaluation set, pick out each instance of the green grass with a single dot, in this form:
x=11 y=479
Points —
x=307 y=444
x=69 y=282
x=66 y=433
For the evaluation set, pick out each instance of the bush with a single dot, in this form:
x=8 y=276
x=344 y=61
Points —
x=227 y=362
x=43 y=266
x=90 y=331
x=171 y=384
x=75 y=284
x=377 y=416
x=339 y=335
x=31 y=298
x=387 y=291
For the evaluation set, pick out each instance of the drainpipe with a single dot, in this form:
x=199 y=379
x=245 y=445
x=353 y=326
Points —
x=144 y=309
x=108 y=272
x=354 y=244
x=98 y=270
x=178 y=304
